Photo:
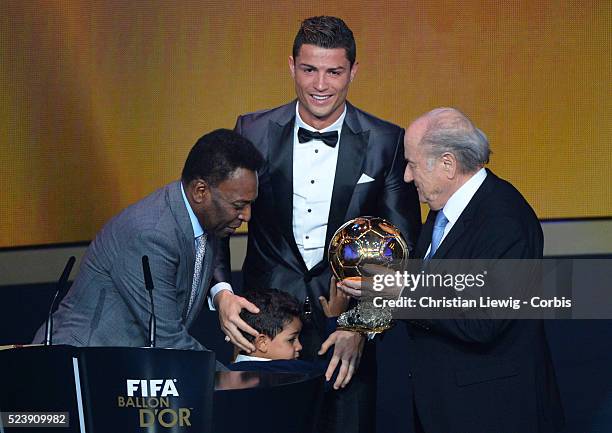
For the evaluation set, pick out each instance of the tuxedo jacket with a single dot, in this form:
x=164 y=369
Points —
x=367 y=145
x=108 y=304
x=485 y=375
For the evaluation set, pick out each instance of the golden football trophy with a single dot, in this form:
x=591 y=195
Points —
x=359 y=242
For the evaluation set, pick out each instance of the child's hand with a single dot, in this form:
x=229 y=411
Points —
x=338 y=301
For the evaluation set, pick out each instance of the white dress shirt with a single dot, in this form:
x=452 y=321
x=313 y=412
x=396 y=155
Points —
x=457 y=202
x=314 y=170
x=242 y=357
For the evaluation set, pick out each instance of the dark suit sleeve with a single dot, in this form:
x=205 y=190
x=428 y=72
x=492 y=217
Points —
x=498 y=239
x=128 y=278
x=238 y=125
x=222 y=271
x=399 y=202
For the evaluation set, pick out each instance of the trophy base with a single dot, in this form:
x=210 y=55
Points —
x=364 y=330
x=366 y=319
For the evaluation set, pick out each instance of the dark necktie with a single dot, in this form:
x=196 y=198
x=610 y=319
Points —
x=329 y=138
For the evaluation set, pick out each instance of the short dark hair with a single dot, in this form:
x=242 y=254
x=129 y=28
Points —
x=216 y=155
x=276 y=310
x=326 y=32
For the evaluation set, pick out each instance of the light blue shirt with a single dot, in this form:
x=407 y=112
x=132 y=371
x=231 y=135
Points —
x=197 y=232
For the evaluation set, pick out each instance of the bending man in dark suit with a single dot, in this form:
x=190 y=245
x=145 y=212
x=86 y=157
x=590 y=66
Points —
x=474 y=375
x=178 y=228
x=326 y=162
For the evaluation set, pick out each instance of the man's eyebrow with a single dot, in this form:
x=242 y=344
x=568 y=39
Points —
x=333 y=68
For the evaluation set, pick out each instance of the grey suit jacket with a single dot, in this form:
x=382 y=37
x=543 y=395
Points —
x=108 y=305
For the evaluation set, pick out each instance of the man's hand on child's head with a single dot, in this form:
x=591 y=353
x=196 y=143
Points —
x=338 y=301
x=230 y=306
x=348 y=347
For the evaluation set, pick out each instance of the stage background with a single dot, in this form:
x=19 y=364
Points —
x=101 y=101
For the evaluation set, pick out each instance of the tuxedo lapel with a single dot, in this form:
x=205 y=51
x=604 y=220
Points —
x=351 y=152
x=280 y=137
x=453 y=235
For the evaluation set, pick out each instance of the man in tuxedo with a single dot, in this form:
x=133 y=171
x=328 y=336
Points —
x=326 y=162
x=475 y=375
x=177 y=227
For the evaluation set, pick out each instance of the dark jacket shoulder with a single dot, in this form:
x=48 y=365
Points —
x=355 y=118
x=369 y=121
x=501 y=199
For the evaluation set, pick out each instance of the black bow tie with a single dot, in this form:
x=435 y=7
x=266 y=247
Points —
x=329 y=138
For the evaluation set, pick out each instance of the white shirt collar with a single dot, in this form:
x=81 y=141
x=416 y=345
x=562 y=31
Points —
x=195 y=224
x=242 y=357
x=336 y=126
x=460 y=199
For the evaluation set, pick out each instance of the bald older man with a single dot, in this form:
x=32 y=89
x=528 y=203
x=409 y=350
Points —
x=473 y=375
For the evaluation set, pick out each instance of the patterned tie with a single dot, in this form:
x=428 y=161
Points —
x=197 y=271
x=438 y=231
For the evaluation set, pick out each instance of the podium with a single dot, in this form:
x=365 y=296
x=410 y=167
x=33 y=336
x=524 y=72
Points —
x=123 y=389
x=264 y=402
x=108 y=389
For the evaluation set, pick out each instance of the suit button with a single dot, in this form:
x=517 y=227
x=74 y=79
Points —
x=307 y=278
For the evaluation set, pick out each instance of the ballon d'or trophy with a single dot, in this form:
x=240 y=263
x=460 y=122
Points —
x=359 y=242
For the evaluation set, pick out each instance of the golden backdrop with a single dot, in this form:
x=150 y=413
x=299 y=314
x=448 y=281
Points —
x=100 y=101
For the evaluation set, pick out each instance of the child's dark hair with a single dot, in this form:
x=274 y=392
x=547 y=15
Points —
x=276 y=310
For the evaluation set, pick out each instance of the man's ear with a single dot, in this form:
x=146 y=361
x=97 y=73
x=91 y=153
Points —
x=262 y=343
x=292 y=66
x=199 y=190
x=354 y=70
x=449 y=164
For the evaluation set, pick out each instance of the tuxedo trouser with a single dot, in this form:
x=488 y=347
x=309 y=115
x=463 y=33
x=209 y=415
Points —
x=353 y=408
